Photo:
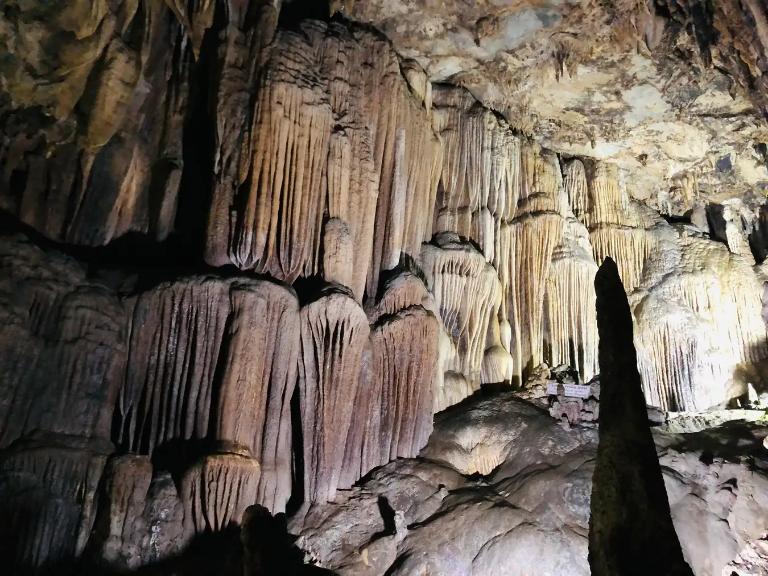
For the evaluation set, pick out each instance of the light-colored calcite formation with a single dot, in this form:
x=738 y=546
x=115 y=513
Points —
x=530 y=510
x=467 y=293
x=618 y=225
x=699 y=332
x=571 y=325
x=334 y=334
x=480 y=177
x=335 y=127
x=536 y=230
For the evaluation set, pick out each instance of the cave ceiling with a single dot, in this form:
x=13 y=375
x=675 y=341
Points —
x=671 y=92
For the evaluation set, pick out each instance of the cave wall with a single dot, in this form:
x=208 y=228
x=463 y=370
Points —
x=318 y=250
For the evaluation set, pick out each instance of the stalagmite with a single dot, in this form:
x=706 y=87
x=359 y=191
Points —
x=334 y=332
x=535 y=232
x=630 y=526
x=468 y=295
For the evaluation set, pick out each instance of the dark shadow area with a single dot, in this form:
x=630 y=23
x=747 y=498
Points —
x=262 y=547
x=297 y=452
x=630 y=525
x=293 y=12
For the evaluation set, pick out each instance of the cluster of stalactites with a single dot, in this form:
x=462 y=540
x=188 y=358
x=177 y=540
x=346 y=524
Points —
x=571 y=324
x=213 y=359
x=480 y=176
x=533 y=236
x=367 y=392
x=467 y=293
x=336 y=131
x=617 y=225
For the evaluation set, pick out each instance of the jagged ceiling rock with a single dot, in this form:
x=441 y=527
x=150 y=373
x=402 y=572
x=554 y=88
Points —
x=672 y=91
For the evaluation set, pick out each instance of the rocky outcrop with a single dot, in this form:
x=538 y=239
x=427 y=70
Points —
x=530 y=509
x=630 y=512
x=94 y=120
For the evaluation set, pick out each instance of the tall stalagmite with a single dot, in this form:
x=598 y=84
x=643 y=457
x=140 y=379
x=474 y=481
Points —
x=630 y=526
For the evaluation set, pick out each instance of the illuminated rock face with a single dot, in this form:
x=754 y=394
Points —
x=247 y=257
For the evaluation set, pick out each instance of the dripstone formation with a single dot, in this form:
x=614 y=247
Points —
x=629 y=509
x=246 y=256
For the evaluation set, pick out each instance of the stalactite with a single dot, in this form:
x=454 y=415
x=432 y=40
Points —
x=176 y=337
x=468 y=295
x=481 y=168
x=334 y=332
x=276 y=223
x=570 y=302
x=394 y=406
x=618 y=227
x=216 y=490
x=335 y=127
x=535 y=232
x=257 y=380
x=577 y=188
x=213 y=358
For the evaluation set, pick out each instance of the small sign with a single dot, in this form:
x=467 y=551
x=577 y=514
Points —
x=572 y=390
x=576 y=390
x=552 y=388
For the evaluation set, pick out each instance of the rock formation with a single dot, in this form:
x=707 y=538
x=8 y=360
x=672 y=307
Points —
x=252 y=253
x=630 y=513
